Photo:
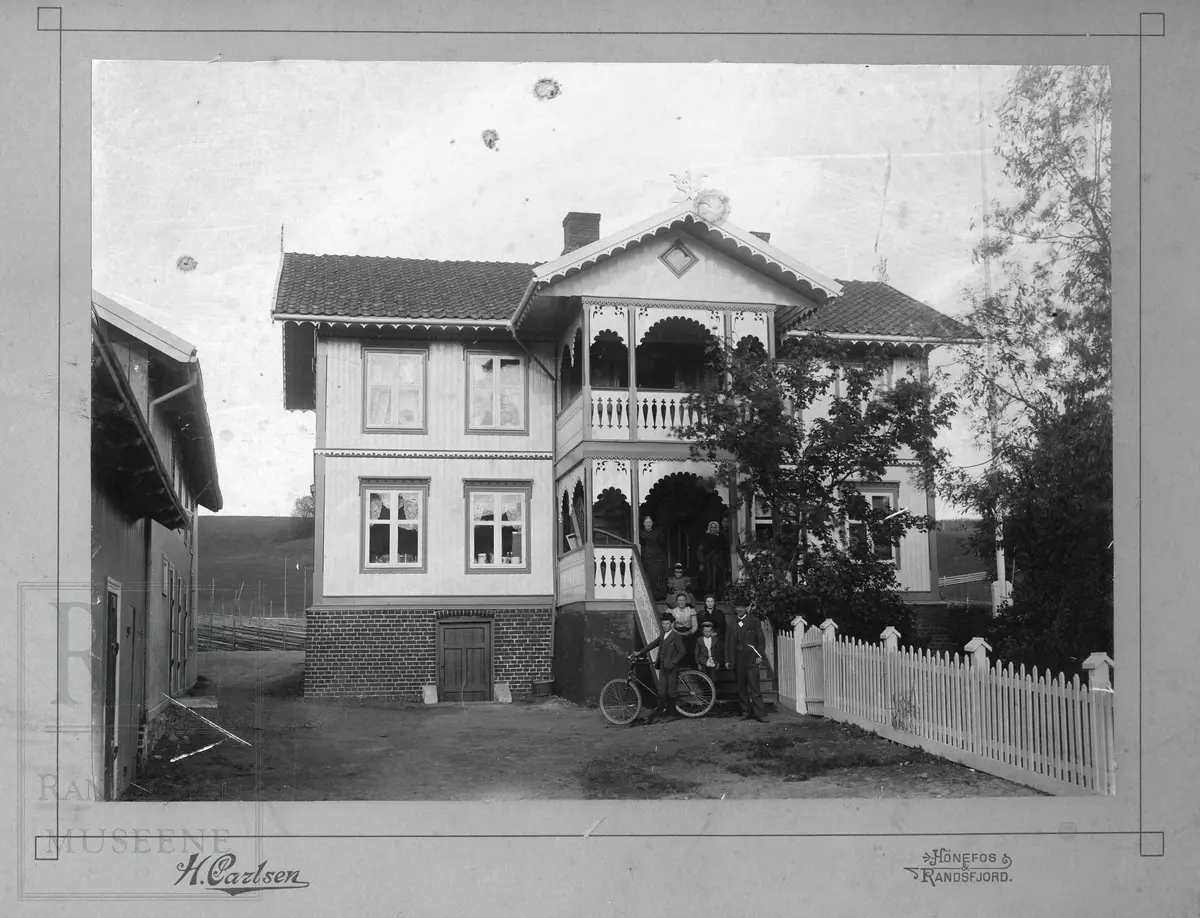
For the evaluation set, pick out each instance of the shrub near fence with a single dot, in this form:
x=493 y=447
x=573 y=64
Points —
x=1047 y=732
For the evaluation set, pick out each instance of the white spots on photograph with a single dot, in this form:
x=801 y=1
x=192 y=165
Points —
x=546 y=88
x=491 y=139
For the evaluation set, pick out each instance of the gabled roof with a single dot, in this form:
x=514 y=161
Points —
x=357 y=288
x=157 y=337
x=872 y=309
x=724 y=236
x=180 y=367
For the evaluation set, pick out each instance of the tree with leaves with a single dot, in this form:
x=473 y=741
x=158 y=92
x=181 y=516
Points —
x=305 y=507
x=1040 y=393
x=802 y=433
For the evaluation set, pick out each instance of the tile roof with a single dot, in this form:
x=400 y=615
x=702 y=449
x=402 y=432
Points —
x=875 y=308
x=358 y=286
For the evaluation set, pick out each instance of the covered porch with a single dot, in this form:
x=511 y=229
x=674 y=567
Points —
x=612 y=392
x=672 y=509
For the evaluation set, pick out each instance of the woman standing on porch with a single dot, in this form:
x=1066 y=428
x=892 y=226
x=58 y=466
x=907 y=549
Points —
x=654 y=557
x=713 y=555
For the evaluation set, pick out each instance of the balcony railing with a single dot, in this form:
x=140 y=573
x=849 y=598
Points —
x=662 y=414
x=612 y=572
x=657 y=414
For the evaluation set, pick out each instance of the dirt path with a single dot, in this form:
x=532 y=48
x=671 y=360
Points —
x=316 y=750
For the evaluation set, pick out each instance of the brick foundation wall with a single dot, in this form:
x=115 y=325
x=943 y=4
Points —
x=392 y=653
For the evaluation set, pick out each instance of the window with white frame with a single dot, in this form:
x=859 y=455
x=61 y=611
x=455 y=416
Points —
x=762 y=518
x=394 y=525
x=394 y=389
x=497 y=529
x=881 y=502
x=881 y=383
x=496 y=392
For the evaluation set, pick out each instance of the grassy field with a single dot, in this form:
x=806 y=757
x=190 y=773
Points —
x=241 y=552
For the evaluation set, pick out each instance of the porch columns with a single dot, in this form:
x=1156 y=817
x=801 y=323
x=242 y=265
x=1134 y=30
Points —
x=586 y=376
x=631 y=354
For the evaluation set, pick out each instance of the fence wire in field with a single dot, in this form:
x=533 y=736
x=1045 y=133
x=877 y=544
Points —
x=220 y=632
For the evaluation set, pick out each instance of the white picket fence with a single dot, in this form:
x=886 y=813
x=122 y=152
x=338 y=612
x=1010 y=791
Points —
x=1047 y=732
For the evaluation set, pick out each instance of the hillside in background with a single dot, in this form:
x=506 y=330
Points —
x=955 y=557
x=238 y=553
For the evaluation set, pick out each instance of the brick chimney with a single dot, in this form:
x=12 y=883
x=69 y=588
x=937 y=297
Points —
x=765 y=237
x=579 y=230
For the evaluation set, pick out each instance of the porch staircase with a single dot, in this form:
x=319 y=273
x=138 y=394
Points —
x=648 y=612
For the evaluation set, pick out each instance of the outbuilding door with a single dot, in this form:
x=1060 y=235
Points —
x=465 y=661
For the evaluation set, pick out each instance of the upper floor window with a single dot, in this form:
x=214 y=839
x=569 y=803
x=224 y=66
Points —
x=496 y=392
x=395 y=389
x=394 y=524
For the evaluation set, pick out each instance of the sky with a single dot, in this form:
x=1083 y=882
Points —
x=216 y=162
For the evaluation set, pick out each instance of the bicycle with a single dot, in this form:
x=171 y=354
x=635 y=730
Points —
x=621 y=699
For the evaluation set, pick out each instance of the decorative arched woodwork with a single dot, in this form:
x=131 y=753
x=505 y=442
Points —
x=612 y=473
x=652 y=471
x=750 y=323
x=647 y=317
x=609 y=317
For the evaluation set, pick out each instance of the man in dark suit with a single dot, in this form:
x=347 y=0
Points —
x=746 y=639
x=671 y=656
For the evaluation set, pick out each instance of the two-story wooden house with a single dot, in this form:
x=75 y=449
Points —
x=490 y=435
x=153 y=462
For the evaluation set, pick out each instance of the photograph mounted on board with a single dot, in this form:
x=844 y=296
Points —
x=601 y=431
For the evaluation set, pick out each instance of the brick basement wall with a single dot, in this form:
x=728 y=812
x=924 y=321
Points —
x=392 y=653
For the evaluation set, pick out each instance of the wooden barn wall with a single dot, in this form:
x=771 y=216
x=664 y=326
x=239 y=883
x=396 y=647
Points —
x=169 y=543
x=119 y=552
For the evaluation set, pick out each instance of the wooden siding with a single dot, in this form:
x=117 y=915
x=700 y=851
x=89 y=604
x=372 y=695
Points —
x=914 y=547
x=445 y=401
x=170 y=543
x=570 y=424
x=639 y=274
x=445 y=536
x=119 y=553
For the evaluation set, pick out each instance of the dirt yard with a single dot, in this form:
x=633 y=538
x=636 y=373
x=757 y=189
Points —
x=554 y=750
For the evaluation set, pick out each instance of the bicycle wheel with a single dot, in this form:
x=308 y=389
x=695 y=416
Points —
x=620 y=702
x=697 y=694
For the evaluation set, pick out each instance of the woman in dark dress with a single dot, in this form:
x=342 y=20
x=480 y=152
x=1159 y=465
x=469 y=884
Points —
x=654 y=557
x=709 y=613
x=713 y=555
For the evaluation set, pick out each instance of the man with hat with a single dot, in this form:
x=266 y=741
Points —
x=746 y=640
x=671 y=656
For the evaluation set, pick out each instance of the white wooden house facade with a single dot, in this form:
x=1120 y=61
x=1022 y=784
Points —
x=490 y=434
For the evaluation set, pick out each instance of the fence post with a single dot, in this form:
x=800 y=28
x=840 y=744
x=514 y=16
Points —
x=978 y=648
x=1099 y=669
x=828 y=637
x=891 y=643
x=799 y=626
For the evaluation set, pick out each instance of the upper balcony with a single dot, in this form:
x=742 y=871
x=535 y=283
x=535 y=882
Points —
x=608 y=391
